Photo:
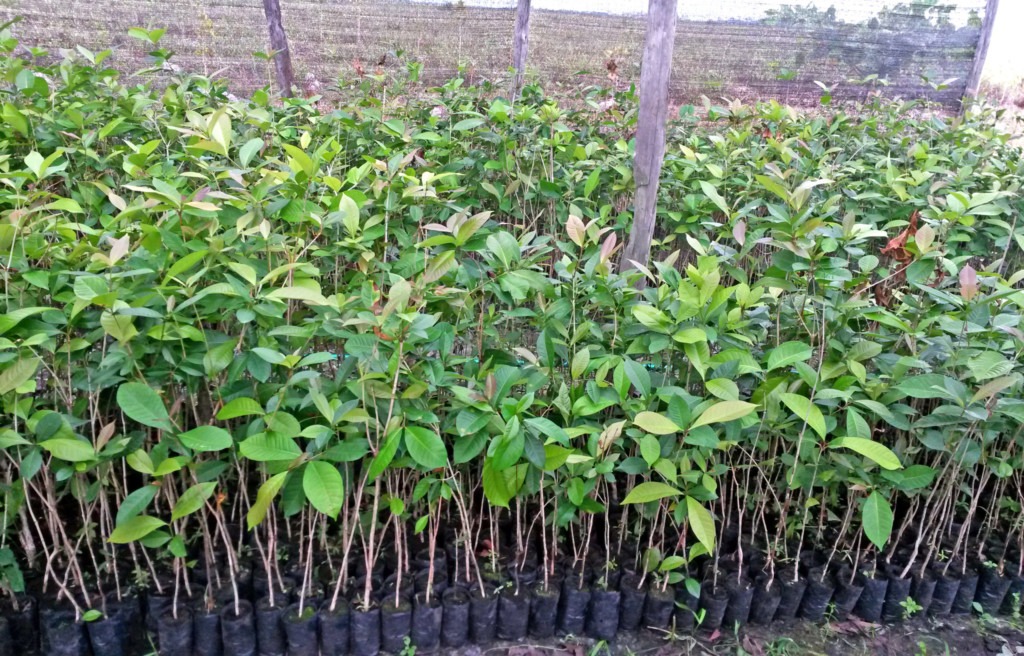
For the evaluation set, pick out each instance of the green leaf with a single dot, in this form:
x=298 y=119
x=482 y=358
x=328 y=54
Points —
x=266 y=447
x=655 y=423
x=207 y=438
x=711 y=192
x=69 y=449
x=580 y=362
x=142 y=404
x=723 y=388
x=989 y=364
x=724 y=411
x=17 y=374
x=299 y=160
x=385 y=454
x=267 y=492
x=650 y=449
x=135 y=528
x=788 y=354
x=500 y=487
x=468 y=124
x=324 y=488
x=879 y=453
x=702 y=523
x=806 y=410
x=135 y=503
x=877 y=519
x=916 y=477
x=13 y=318
x=650 y=491
x=192 y=499
x=925 y=386
x=638 y=375
x=249 y=150
x=425 y=447
x=240 y=407
x=863 y=350
x=555 y=456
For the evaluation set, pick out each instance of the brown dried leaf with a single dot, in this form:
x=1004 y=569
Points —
x=106 y=433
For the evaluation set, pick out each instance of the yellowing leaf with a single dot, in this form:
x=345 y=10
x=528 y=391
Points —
x=724 y=411
x=702 y=523
x=650 y=491
x=879 y=453
x=806 y=410
x=655 y=423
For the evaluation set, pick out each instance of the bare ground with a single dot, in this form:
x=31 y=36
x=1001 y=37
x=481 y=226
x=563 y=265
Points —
x=924 y=637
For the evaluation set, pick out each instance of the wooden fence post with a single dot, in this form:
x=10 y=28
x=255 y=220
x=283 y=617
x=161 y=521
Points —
x=980 y=53
x=655 y=73
x=520 y=46
x=279 y=43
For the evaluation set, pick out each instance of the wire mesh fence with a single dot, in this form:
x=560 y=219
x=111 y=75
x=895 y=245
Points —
x=731 y=48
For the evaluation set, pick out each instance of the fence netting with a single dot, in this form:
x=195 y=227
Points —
x=748 y=49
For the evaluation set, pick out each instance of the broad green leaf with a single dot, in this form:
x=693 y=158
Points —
x=249 y=150
x=17 y=374
x=385 y=454
x=650 y=491
x=652 y=318
x=723 y=388
x=135 y=528
x=135 y=503
x=310 y=296
x=555 y=456
x=264 y=497
x=724 y=411
x=142 y=404
x=876 y=518
x=69 y=449
x=650 y=449
x=806 y=410
x=878 y=453
x=468 y=124
x=266 y=447
x=712 y=192
x=988 y=365
x=702 y=523
x=925 y=386
x=192 y=499
x=788 y=354
x=916 y=477
x=580 y=362
x=690 y=336
x=324 y=487
x=240 y=407
x=13 y=318
x=207 y=438
x=425 y=447
x=655 y=423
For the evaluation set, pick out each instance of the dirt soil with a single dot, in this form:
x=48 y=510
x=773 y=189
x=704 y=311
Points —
x=924 y=637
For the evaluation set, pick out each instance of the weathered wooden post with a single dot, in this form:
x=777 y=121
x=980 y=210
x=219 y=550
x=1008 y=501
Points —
x=279 y=44
x=520 y=46
x=980 y=53
x=655 y=73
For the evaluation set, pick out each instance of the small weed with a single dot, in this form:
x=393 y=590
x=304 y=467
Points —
x=910 y=607
x=781 y=647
